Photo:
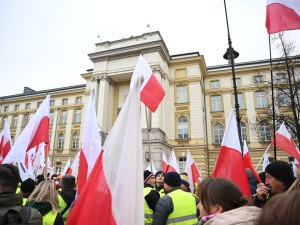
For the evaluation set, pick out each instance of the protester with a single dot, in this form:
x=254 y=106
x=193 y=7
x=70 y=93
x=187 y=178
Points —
x=176 y=206
x=27 y=187
x=44 y=198
x=39 y=179
x=159 y=182
x=67 y=195
x=281 y=209
x=151 y=196
x=222 y=202
x=252 y=181
x=185 y=184
x=10 y=202
x=279 y=178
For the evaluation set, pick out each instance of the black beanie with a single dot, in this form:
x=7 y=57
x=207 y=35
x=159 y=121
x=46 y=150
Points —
x=281 y=171
x=159 y=172
x=147 y=175
x=27 y=186
x=173 y=179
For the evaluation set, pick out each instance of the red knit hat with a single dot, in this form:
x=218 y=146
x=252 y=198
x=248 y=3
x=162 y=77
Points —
x=147 y=175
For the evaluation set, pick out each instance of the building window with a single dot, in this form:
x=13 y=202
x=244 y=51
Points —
x=57 y=167
x=51 y=116
x=15 y=121
x=216 y=103
x=243 y=131
x=75 y=140
x=284 y=97
x=39 y=104
x=183 y=128
x=218 y=133
x=63 y=118
x=65 y=101
x=12 y=140
x=181 y=94
x=16 y=107
x=240 y=100
x=78 y=100
x=258 y=79
x=6 y=108
x=261 y=101
x=27 y=106
x=281 y=77
x=26 y=119
x=52 y=102
x=61 y=141
x=4 y=119
x=182 y=164
x=215 y=84
x=265 y=133
x=237 y=81
x=77 y=118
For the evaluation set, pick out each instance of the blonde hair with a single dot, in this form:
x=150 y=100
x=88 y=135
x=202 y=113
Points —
x=46 y=192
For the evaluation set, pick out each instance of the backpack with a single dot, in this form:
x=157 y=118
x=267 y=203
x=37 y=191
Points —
x=23 y=217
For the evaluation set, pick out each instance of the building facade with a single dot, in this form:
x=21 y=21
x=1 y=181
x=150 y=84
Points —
x=192 y=116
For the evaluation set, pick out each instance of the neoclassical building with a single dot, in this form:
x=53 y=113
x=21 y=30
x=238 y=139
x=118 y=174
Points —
x=192 y=116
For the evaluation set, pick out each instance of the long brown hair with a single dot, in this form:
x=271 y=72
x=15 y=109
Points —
x=213 y=191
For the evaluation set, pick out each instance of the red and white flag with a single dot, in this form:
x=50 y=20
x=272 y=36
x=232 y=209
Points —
x=152 y=93
x=68 y=164
x=165 y=163
x=113 y=193
x=230 y=163
x=5 y=141
x=282 y=15
x=192 y=171
x=173 y=165
x=35 y=132
x=248 y=162
x=91 y=144
x=73 y=169
x=285 y=142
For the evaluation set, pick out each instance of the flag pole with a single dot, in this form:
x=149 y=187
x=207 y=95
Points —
x=148 y=122
x=46 y=161
x=263 y=157
x=53 y=148
x=272 y=91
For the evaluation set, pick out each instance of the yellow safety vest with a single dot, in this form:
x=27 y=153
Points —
x=62 y=206
x=49 y=218
x=185 y=210
x=25 y=200
x=148 y=218
x=162 y=192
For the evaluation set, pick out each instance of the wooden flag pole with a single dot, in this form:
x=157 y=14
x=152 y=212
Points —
x=46 y=161
x=262 y=157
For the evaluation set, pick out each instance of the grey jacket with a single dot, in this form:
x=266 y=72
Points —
x=14 y=201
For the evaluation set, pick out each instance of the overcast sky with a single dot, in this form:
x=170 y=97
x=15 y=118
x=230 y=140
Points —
x=44 y=44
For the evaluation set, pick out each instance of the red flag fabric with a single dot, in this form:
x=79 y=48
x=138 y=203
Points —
x=285 y=142
x=164 y=163
x=230 y=163
x=35 y=132
x=282 y=15
x=152 y=93
x=192 y=171
x=248 y=162
x=91 y=144
x=5 y=141
x=113 y=193
x=173 y=165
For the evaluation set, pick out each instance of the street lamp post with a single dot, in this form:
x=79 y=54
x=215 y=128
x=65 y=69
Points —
x=231 y=54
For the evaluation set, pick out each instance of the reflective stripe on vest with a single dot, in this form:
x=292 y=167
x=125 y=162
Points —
x=185 y=210
x=49 y=218
x=148 y=217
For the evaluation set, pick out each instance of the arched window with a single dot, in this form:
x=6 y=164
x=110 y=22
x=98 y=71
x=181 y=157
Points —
x=75 y=140
x=61 y=141
x=218 y=133
x=183 y=128
x=243 y=131
x=265 y=133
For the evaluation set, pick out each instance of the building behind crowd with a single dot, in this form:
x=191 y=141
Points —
x=192 y=116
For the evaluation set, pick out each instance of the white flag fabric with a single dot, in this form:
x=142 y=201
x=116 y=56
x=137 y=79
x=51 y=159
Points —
x=173 y=165
x=151 y=167
x=35 y=132
x=68 y=164
x=266 y=162
x=192 y=171
x=91 y=143
x=73 y=169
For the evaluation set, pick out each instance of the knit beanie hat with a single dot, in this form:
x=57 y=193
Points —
x=173 y=179
x=281 y=171
x=159 y=172
x=27 y=186
x=147 y=175
x=185 y=180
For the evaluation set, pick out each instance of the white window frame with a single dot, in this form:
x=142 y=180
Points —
x=218 y=133
x=182 y=94
x=216 y=103
x=183 y=128
x=261 y=100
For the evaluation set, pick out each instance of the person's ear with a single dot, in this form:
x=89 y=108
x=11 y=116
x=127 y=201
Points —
x=216 y=209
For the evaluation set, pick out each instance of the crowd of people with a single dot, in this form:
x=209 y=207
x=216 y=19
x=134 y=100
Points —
x=167 y=199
